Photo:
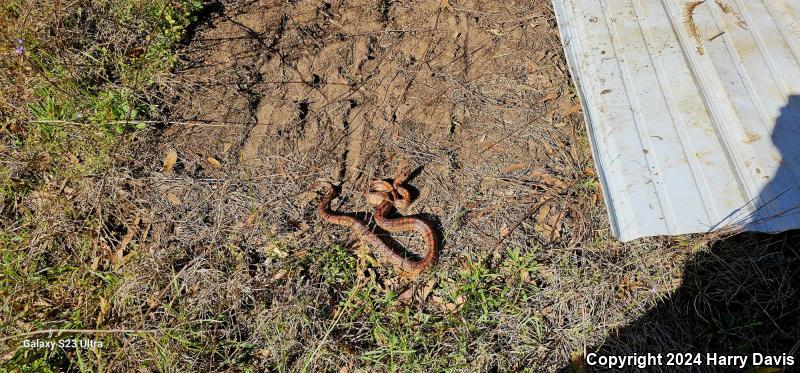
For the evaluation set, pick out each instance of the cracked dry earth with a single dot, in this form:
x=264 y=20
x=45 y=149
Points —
x=274 y=95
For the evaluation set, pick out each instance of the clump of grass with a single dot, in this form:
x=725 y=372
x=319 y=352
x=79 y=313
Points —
x=394 y=325
x=78 y=81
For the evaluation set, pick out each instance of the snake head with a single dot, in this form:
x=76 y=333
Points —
x=383 y=190
x=403 y=172
x=378 y=192
x=380 y=186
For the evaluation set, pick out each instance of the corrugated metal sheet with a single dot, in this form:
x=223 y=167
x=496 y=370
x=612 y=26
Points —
x=692 y=110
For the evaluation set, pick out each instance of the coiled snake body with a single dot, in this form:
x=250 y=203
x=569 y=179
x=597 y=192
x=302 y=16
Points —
x=384 y=195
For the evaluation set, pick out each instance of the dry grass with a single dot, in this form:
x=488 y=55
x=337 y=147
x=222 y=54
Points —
x=62 y=197
x=224 y=265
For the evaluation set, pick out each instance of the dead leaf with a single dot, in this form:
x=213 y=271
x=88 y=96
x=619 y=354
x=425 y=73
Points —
x=504 y=231
x=426 y=291
x=525 y=276
x=215 y=164
x=547 y=275
x=264 y=353
x=389 y=283
x=406 y=294
x=116 y=259
x=251 y=217
x=155 y=299
x=574 y=109
x=539 y=56
x=540 y=221
x=41 y=197
x=135 y=52
x=280 y=166
x=275 y=249
x=597 y=196
x=173 y=199
x=549 y=97
x=105 y=306
x=550 y=180
x=279 y=275
x=169 y=160
x=513 y=168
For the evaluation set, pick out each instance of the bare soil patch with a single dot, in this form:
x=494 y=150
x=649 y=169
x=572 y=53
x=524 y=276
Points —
x=476 y=94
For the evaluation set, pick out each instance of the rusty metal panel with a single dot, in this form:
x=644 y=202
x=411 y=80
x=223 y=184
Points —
x=692 y=109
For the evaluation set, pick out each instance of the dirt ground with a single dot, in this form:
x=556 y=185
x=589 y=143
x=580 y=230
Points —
x=275 y=95
x=478 y=97
x=475 y=94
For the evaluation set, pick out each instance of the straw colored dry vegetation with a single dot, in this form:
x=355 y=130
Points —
x=155 y=173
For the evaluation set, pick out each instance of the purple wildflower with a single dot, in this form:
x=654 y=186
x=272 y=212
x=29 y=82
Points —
x=20 y=47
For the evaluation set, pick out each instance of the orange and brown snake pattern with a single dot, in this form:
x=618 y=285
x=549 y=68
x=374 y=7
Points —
x=384 y=195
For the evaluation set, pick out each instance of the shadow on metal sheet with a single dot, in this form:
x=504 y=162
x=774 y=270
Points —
x=742 y=296
x=777 y=207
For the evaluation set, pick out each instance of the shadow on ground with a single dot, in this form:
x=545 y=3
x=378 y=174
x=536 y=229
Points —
x=740 y=297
